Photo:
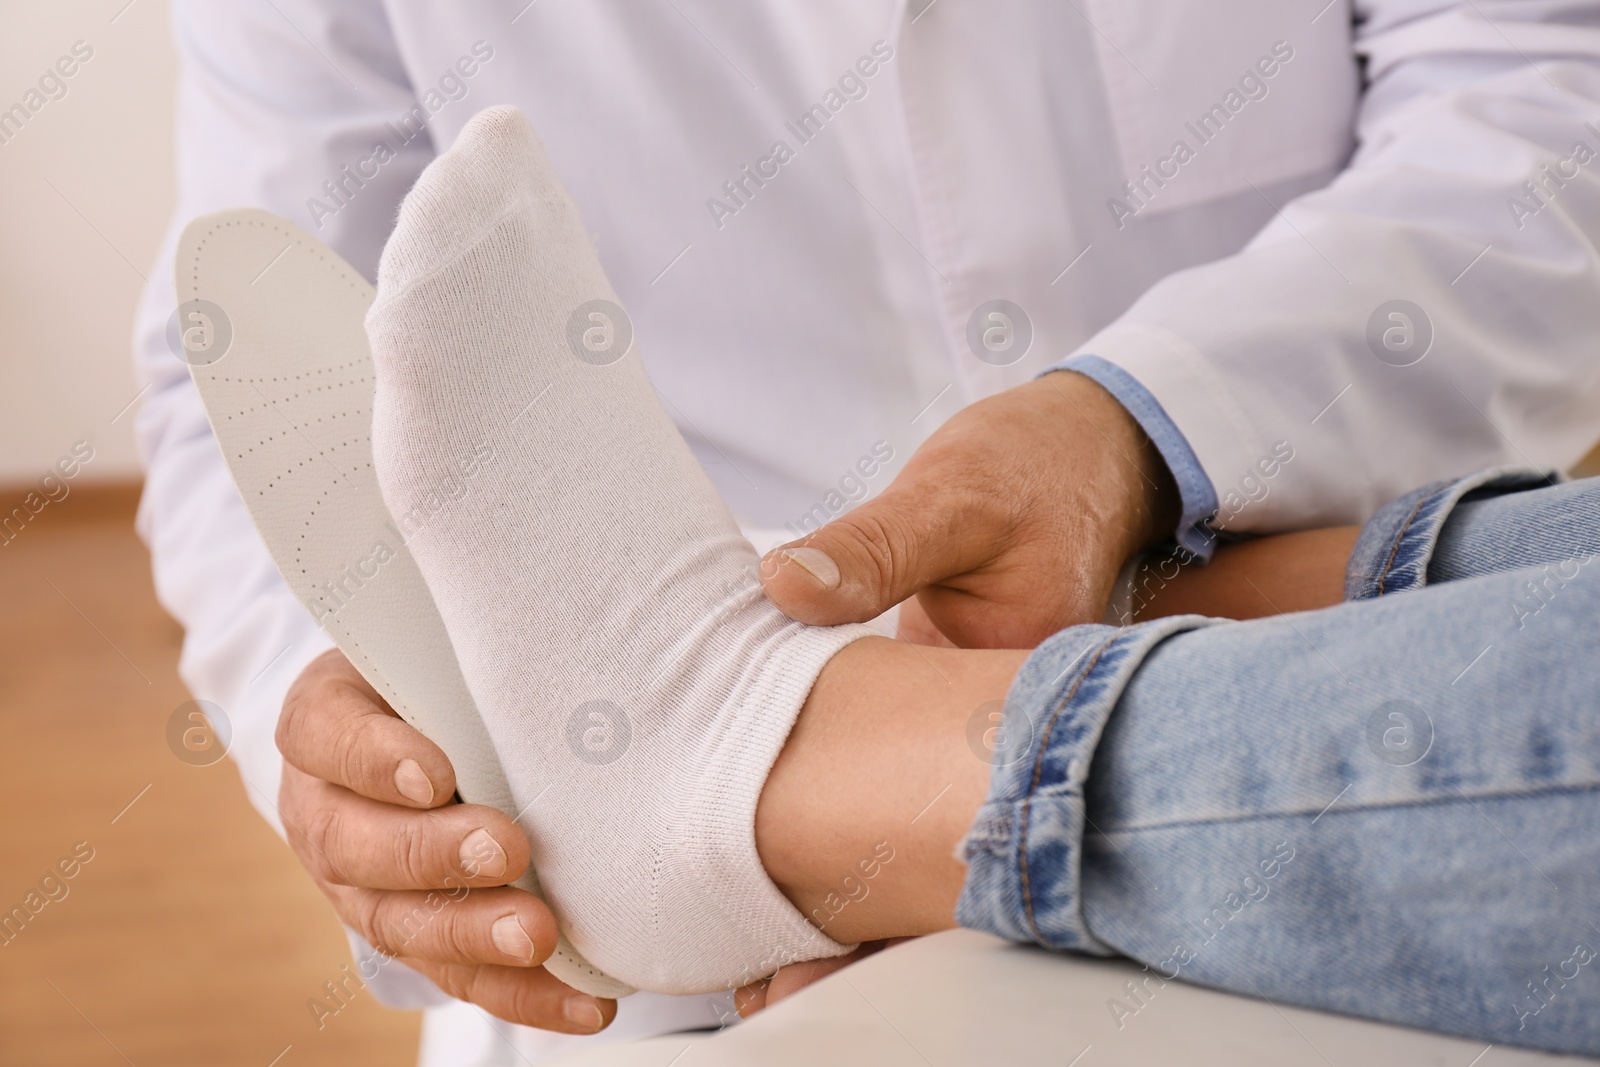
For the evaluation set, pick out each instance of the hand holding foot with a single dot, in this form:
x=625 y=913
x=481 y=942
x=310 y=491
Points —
x=1011 y=522
x=636 y=684
x=366 y=803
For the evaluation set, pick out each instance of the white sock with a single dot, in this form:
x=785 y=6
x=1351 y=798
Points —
x=584 y=564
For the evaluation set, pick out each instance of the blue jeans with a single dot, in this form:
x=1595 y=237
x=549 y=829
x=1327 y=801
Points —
x=1388 y=808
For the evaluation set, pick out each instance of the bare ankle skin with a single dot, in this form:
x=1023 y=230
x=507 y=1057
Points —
x=885 y=768
x=1252 y=579
x=861 y=815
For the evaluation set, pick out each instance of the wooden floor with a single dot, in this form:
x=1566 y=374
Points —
x=192 y=936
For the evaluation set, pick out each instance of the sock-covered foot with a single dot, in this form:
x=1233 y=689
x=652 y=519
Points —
x=602 y=602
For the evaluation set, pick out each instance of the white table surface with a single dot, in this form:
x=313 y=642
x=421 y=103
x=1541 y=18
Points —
x=962 y=998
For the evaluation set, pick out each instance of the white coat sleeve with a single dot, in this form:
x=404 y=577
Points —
x=274 y=99
x=1289 y=342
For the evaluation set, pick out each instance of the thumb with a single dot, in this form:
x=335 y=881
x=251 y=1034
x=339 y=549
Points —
x=865 y=562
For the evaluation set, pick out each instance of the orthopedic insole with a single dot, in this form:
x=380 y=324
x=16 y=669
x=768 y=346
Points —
x=270 y=321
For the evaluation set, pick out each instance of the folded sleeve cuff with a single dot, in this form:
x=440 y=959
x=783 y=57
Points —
x=1198 y=495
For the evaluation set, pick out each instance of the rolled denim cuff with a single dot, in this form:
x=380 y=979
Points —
x=1025 y=848
x=1395 y=546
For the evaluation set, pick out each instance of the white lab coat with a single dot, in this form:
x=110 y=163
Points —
x=812 y=309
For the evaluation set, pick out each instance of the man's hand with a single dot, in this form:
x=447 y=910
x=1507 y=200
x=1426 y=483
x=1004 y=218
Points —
x=1011 y=522
x=366 y=801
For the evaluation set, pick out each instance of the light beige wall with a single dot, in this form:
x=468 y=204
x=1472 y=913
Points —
x=85 y=190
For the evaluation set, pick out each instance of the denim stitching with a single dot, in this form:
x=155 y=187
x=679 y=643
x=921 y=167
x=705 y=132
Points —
x=1038 y=772
x=1505 y=478
x=1394 y=550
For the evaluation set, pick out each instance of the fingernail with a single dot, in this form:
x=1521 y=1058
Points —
x=512 y=939
x=481 y=855
x=584 y=1012
x=412 y=782
x=817 y=563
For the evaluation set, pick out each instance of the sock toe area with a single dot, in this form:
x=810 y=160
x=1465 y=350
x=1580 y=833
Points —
x=496 y=167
